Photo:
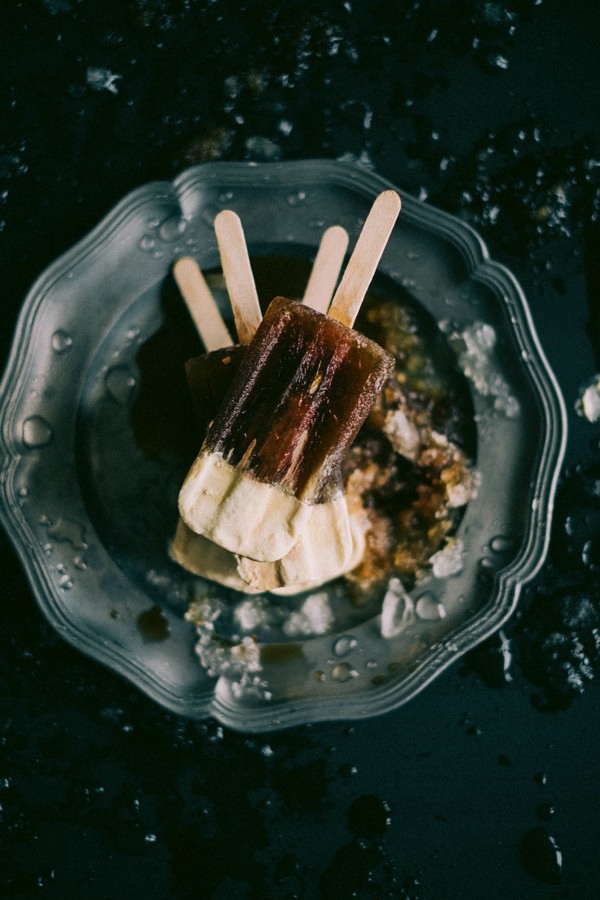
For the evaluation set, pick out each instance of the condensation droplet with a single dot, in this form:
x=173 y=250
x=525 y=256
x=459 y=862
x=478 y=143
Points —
x=68 y=530
x=343 y=672
x=120 y=384
x=147 y=243
x=61 y=341
x=172 y=228
x=344 y=645
x=65 y=582
x=500 y=543
x=542 y=856
x=297 y=198
x=429 y=608
x=36 y=432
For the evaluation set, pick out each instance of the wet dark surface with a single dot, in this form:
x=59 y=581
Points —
x=488 y=784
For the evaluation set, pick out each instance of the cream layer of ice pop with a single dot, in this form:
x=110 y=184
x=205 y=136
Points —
x=200 y=556
x=302 y=391
x=302 y=569
x=312 y=561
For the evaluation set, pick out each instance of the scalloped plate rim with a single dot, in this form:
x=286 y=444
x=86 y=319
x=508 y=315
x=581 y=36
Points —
x=508 y=581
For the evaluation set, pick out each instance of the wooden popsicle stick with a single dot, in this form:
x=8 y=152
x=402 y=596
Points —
x=201 y=304
x=237 y=270
x=326 y=268
x=365 y=257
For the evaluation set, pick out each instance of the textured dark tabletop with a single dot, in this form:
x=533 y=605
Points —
x=487 y=785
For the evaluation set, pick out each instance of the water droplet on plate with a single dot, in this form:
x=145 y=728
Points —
x=429 y=608
x=147 y=243
x=344 y=645
x=36 y=432
x=61 y=341
x=500 y=543
x=296 y=199
x=68 y=530
x=343 y=672
x=541 y=856
x=172 y=228
x=65 y=582
x=120 y=384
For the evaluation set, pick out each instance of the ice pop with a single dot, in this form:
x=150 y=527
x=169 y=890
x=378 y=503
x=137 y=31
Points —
x=302 y=391
x=209 y=376
x=276 y=453
x=305 y=385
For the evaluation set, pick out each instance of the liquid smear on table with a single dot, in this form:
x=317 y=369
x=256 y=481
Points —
x=413 y=467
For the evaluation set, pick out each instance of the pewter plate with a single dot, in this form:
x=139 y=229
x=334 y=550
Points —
x=95 y=441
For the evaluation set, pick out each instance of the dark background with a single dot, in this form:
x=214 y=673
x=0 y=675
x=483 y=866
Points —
x=487 y=785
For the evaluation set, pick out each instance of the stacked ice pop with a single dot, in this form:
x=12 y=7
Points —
x=263 y=507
